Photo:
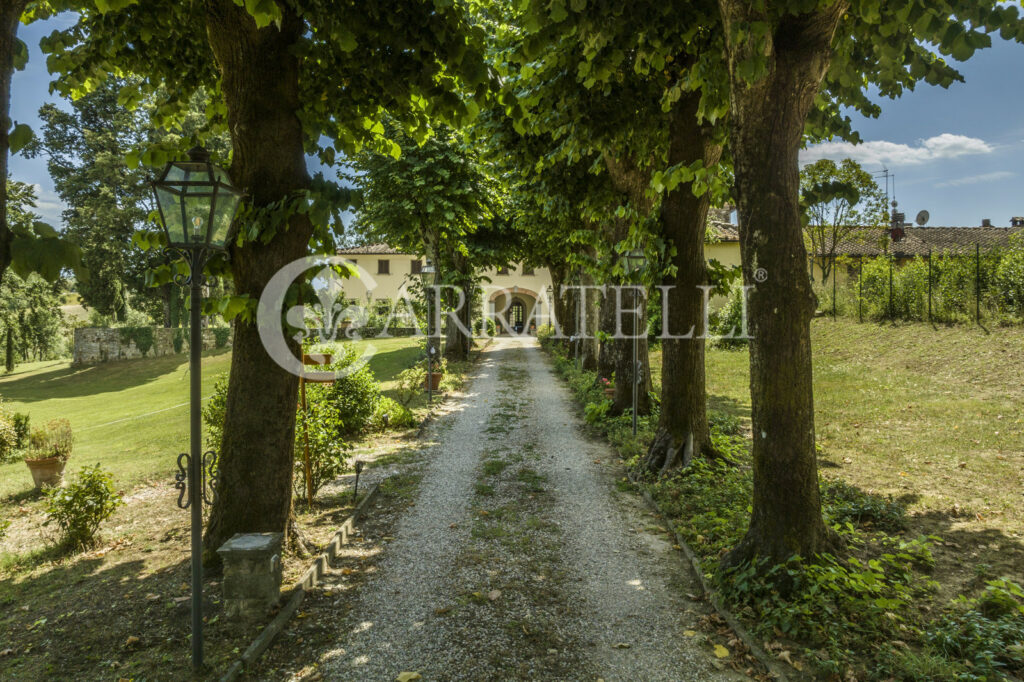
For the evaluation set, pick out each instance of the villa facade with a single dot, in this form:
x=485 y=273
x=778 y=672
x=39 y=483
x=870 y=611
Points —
x=521 y=294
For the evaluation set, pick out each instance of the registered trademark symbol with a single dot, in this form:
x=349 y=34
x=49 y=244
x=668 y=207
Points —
x=760 y=275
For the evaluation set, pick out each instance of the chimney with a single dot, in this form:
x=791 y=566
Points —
x=986 y=222
x=1017 y=221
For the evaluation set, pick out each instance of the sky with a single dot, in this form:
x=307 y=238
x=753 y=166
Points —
x=956 y=153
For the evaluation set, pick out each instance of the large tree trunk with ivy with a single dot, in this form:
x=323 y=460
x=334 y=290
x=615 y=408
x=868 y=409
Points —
x=589 y=298
x=260 y=83
x=563 y=303
x=683 y=431
x=767 y=123
x=606 y=353
x=10 y=15
x=622 y=349
x=458 y=344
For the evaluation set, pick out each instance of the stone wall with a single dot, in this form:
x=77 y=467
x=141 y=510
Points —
x=101 y=344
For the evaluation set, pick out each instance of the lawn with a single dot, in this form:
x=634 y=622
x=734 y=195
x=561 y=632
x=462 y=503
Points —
x=933 y=416
x=131 y=417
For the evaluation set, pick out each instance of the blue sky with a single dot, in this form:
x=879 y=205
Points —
x=956 y=152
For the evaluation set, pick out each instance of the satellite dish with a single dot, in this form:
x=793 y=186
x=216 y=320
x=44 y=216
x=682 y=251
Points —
x=922 y=218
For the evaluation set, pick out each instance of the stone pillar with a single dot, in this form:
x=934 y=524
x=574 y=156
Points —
x=252 y=574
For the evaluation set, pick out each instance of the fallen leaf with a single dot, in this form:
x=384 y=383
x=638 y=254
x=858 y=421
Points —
x=6 y=652
x=441 y=611
x=493 y=594
x=408 y=677
x=154 y=597
x=721 y=651
x=621 y=645
x=131 y=641
x=347 y=571
x=689 y=633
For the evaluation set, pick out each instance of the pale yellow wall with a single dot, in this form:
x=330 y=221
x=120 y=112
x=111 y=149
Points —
x=726 y=253
x=384 y=286
x=394 y=285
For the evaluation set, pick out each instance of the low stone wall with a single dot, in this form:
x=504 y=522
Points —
x=102 y=344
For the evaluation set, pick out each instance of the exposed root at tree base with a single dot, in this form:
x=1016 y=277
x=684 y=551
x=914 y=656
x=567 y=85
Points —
x=668 y=453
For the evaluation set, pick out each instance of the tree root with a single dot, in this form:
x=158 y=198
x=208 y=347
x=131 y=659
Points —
x=668 y=453
x=297 y=541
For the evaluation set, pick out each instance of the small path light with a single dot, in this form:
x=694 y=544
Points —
x=197 y=206
x=426 y=272
x=635 y=262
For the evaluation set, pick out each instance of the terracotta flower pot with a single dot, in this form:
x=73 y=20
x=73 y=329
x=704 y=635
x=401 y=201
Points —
x=433 y=381
x=47 y=472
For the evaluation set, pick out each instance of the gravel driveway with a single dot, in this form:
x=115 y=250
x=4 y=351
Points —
x=520 y=559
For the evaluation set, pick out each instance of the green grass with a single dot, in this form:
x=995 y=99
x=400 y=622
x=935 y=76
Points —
x=131 y=417
x=932 y=415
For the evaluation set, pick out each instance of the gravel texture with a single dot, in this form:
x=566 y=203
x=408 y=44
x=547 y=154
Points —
x=519 y=560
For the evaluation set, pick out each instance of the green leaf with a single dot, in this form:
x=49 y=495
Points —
x=105 y=6
x=19 y=137
x=20 y=54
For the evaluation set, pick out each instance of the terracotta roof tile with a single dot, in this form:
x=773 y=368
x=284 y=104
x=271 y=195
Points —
x=725 y=232
x=919 y=241
x=378 y=249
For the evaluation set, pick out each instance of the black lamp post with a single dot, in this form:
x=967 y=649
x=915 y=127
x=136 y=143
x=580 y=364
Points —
x=426 y=272
x=635 y=261
x=197 y=210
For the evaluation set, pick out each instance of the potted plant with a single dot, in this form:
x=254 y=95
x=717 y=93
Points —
x=49 y=449
x=608 y=385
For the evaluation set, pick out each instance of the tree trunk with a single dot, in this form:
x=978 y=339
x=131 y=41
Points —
x=260 y=81
x=457 y=344
x=622 y=350
x=767 y=122
x=9 y=359
x=682 y=431
x=589 y=299
x=10 y=15
x=606 y=355
x=558 y=306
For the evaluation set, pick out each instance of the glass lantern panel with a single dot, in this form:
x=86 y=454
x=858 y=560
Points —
x=223 y=214
x=174 y=174
x=197 y=216
x=170 y=207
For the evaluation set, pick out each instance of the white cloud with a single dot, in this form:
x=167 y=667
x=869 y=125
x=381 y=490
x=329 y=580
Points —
x=883 y=153
x=48 y=206
x=976 y=179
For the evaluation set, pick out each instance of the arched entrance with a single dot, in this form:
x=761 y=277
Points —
x=513 y=310
x=517 y=315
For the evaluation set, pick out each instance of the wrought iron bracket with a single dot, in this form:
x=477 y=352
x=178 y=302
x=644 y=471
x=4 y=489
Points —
x=208 y=477
x=181 y=481
x=196 y=259
x=211 y=475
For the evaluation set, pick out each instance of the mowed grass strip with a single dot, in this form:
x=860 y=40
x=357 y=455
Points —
x=933 y=416
x=131 y=417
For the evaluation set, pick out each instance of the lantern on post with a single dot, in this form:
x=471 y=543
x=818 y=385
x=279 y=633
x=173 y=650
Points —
x=197 y=205
x=635 y=262
x=426 y=274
